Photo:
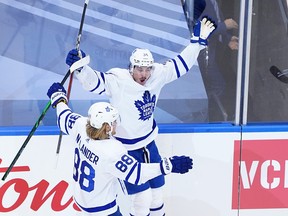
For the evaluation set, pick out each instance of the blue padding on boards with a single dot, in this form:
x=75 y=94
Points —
x=163 y=128
x=267 y=127
x=25 y=130
x=198 y=128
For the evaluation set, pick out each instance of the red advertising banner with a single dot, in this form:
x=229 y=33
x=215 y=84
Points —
x=38 y=183
x=263 y=167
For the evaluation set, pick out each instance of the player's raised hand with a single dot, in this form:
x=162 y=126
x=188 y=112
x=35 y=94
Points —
x=73 y=56
x=207 y=27
x=176 y=164
x=202 y=30
x=57 y=94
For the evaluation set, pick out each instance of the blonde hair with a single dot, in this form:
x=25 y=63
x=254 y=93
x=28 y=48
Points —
x=97 y=134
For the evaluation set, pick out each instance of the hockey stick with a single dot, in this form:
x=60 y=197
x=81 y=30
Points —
x=76 y=65
x=60 y=132
x=68 y=96
x=71 y=76
x=280 y=75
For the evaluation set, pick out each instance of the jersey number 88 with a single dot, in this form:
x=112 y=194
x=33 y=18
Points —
x=84 y=173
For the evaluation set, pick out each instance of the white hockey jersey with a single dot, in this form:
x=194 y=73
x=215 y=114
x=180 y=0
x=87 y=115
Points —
x=136 y=103
x=98 y=164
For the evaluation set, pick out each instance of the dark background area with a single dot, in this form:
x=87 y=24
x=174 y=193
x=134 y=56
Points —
x=267 y=101
x=268 y=96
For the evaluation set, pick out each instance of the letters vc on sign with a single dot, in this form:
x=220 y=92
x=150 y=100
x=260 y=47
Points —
x=263 y=170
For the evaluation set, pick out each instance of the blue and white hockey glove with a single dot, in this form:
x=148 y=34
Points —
x=176 y=164
x=74 y=57
x=57 y=94
x=202 y=30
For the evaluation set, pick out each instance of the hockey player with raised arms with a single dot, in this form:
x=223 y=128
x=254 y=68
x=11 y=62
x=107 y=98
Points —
x=100 y=159
x=134 y=92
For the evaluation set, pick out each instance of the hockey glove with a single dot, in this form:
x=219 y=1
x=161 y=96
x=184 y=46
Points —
x=73 y=56
x=176 y=164
x=202 y=31
x=57 y=94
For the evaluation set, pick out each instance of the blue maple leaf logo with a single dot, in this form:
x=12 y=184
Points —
x=146 y=107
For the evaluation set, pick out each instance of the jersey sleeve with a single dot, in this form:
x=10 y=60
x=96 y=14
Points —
x=180 y=64
x=125 y=167
x=67 y=121
x=91 y=80
x=95 y=81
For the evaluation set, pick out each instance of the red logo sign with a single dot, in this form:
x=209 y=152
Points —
x=42 y=192
x=263 y=179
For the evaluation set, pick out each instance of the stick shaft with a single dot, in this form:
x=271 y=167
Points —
x=68 y=96
x=71 y=76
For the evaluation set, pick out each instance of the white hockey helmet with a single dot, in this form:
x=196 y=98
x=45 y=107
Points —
x=141 y=57
x=102 y=112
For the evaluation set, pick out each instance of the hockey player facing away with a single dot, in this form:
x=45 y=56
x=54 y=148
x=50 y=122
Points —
x=134 y=92
x=100 y=159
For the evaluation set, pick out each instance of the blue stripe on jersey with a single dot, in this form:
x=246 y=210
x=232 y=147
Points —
x=176 y=68
x=103 y=77
x=183 y=62
x=96 y=86
x=59 y=117
x=133 y=141
x=131 y=171
x=98 y=208
x=157 y=209
x=102 y=92
x=99 y=82
x=138 y=174
x=147 y=215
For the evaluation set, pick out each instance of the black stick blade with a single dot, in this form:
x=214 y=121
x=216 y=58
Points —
x=278 y=74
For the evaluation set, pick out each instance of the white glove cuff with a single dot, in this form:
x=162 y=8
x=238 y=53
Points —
x=166 y=166
x=194 y=39
x=56 y=97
